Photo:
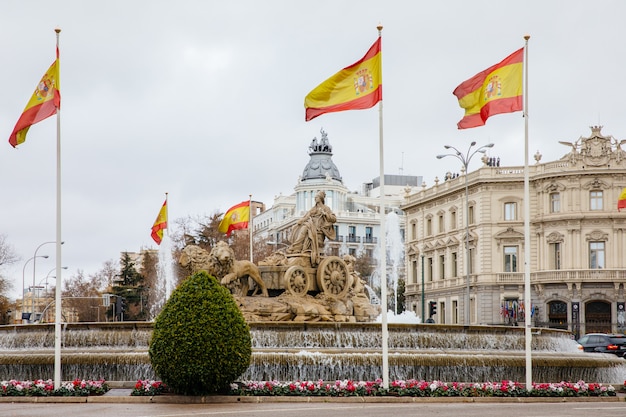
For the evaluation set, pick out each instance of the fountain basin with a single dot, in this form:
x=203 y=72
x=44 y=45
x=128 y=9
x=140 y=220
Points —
x=313 y=351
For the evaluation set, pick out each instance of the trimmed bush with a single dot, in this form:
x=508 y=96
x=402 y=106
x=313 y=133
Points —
x=200 y=342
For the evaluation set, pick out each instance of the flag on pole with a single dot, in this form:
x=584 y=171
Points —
x=160 y=224
x=356 y=87
x=496 y=90
x=236 y=218
x=621 y=201
x=44 y=103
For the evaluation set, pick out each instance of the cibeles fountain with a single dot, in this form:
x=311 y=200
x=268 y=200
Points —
x=310 y=319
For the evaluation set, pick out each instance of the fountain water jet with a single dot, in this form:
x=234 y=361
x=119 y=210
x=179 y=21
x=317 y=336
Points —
x=165 y=277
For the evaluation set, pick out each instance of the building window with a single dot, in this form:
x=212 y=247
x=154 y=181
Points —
x=470 y=214
x=369 y=253
x=471 y=261
x=555 y=202
x=453 y=220
x=414 y=270
x=595 y=200
x=596 y=255
x=510 y=211
x=455 y=312
x=442 y=266
x=336 y=232
x=510 y=259
x=455 y=265
x=351 y=233
x=429 y=227
x=352 y=252
x=368 y=234
x=413 y=231
x=441 y=228
x=441 y=313
x=429 y=268
x=555 y=255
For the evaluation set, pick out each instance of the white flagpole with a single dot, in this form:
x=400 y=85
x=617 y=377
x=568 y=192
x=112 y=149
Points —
x=250 y=227
x=58 y=310
x=383 y=242
x=527 y=300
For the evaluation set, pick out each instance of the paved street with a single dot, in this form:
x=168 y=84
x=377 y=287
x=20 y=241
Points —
x=290 y=409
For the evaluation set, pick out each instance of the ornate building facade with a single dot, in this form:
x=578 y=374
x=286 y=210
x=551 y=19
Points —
x=577 y=243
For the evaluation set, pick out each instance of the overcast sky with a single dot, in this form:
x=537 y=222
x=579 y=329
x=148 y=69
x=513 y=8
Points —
x=204 y=100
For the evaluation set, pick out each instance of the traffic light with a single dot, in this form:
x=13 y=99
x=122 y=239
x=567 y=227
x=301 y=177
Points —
x=118 y=305
x=432 y=308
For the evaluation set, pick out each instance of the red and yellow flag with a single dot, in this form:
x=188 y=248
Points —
x=236 y=218
x=498 y=89
x=621 y=201
x=356 y=87
x=160 y=224
x=44 y=103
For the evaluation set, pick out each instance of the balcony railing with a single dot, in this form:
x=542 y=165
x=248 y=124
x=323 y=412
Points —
x=541 y=277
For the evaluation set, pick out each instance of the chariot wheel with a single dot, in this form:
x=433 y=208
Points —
x=297 y=281
x=333 y=277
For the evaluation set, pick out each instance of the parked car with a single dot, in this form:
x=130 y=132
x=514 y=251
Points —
x=603 y=343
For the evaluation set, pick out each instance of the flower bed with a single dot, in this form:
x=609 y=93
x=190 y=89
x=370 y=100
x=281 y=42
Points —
x=147 y=387
x=45 y=388
x=415 y=388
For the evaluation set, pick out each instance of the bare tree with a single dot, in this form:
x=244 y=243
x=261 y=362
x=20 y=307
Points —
x=7 y=257
x=82 y=296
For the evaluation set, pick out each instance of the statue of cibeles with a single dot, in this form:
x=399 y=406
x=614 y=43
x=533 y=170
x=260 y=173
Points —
x=311 y=230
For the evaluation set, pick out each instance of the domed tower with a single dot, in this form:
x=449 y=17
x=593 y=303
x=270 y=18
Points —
x=320 y=173
x=321 y=164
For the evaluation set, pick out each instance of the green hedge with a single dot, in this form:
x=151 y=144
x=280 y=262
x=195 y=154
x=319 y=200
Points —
x=201 y=342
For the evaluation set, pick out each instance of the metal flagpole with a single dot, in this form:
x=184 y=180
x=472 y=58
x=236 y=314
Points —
x=383 y=242
x=57 y=310
x=250 y=227
x=527 y=300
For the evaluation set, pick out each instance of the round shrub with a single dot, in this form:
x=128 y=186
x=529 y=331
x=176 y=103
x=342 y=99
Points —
x=200 y=342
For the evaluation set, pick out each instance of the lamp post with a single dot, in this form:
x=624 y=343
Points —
x=23 y=277
x=46 y=279
x=465 y=160
x=34 y=258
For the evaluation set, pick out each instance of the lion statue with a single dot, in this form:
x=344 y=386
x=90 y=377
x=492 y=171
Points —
x=221 y=263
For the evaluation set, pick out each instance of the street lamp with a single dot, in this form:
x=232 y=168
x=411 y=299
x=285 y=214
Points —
x=46 y=279
x=465 y=160
x=23 y=277
x=34 y=257
x=48 y=276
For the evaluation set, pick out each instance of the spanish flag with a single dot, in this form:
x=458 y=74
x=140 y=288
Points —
x=621 y=201
x=236 y=218
x=160 y=224
x=356 y=87
x=498 y=89
x=44 y=103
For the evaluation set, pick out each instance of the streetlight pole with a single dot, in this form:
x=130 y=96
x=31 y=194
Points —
x=24 y=280
x=465 y=160
x=34 y=258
